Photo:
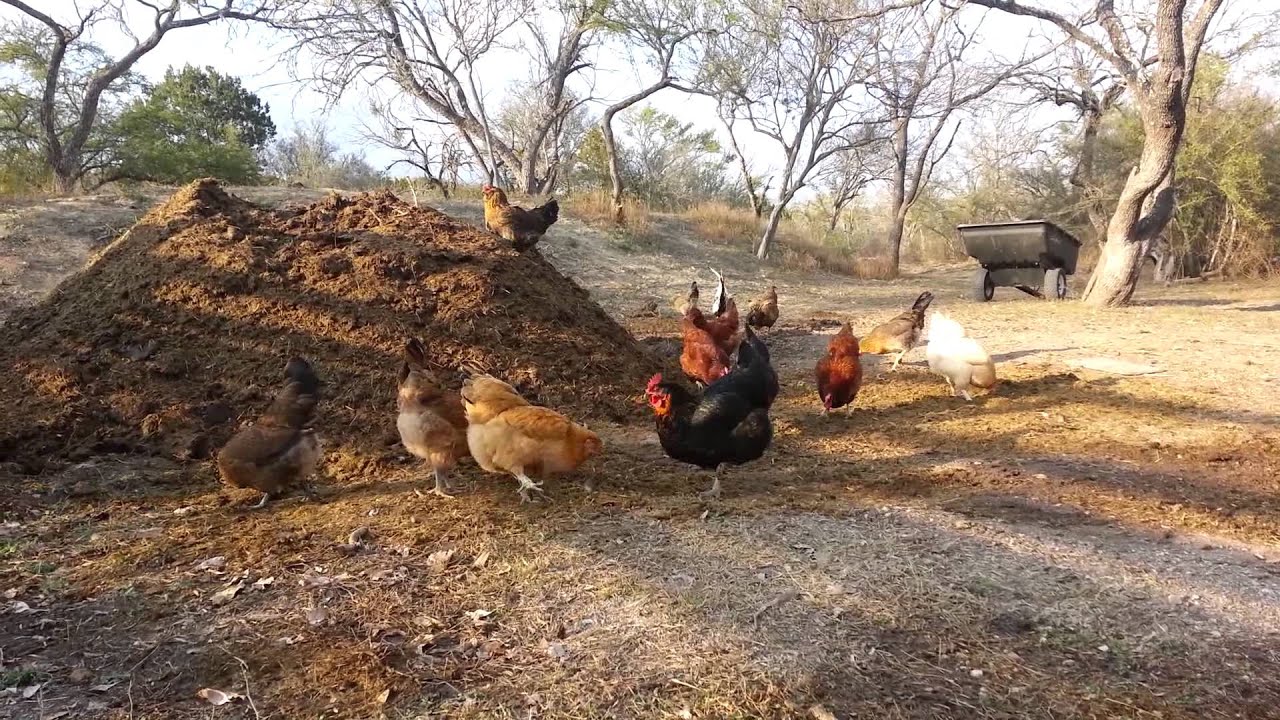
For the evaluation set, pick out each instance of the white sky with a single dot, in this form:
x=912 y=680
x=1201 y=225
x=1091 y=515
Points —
x=253 y=53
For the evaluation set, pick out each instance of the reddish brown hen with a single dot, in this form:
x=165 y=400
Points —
x=724 y=329
x=701 y=358
x=839 y=372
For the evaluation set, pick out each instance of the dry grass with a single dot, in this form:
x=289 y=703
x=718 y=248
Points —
x=723 y=224
x=596 y=208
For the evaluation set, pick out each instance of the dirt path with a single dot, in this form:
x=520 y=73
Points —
x=1075 y=544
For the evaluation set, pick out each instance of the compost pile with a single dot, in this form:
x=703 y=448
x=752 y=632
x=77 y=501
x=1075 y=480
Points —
x=179 y=330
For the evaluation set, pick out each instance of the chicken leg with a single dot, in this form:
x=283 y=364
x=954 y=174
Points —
x=526 y=485
x=442 y=484
x=714 y=492
x=897 y=360
x=263 y=502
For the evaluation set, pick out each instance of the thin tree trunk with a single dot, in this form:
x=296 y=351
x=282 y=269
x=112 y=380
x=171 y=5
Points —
x=615 y=171
x=896 y=232
x=770 y=230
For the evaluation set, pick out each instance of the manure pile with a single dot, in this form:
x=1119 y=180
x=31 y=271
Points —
x=180 y=329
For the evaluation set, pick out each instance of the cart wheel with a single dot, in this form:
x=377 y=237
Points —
x=1055 y=284
x=983 y=287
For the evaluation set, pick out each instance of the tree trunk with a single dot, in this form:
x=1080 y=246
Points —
x=65 y=181
x=770 y=230
x=896 y=231
x=1129 y=233
x=615 y=172
x=898 y=192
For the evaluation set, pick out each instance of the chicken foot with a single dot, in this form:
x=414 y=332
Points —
x=714 y=492
x=897 y=360
x=263 y=502
x=442 y=484
x=526 y=484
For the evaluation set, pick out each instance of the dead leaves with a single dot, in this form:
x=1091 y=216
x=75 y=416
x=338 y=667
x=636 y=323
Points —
x=217 y=697
x=228 y=593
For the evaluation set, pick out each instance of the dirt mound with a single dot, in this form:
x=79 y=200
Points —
x=182 y=326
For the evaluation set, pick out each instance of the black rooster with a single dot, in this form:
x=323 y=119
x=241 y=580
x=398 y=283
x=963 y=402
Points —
x=728 y=424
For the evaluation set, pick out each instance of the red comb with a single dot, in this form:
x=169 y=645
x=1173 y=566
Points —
x=653 y=382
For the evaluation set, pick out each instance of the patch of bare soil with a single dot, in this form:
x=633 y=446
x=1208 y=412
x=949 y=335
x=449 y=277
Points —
x=1071 y=545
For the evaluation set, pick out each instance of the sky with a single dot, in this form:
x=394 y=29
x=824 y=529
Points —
x=255 y=55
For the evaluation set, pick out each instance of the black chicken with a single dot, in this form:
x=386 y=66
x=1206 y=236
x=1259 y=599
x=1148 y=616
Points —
x=281 y=450
x=728 y=424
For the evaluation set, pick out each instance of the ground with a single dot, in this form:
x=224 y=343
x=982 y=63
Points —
x=1074 y=544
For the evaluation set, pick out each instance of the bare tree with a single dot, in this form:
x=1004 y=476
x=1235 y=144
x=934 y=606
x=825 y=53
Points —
x=791 y=74
x=757 y=189
x=64 y=141
x=1160 y=86
x=848 y=175
x=922 y=78
x=1092 y=90
x=435 y=52
x=659 y=30
x=437 y=155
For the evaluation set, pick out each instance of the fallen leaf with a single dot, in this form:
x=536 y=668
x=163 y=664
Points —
x=213 y=563
x=391 y=636
x=217 y=697
x=262 y=583
x=103 y=687
x=317 y=615
x=17 y=607
x=481 y=560
x=359 y=535
x=558 y=650
x=81 y=675
x=12 y=593
x=384 y=696
x=818 y=712
x=30 y=691
x=226 y=594
x=479 y=615
x=439 y=560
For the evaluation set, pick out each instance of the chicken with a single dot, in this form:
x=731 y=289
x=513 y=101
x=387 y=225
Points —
x=682 y=303
x=720 y=300
x=281 y=450
x=722 y=329
x=431 y=422
x=507 y=434
x=839 y=373
x=725 y=425
x=900 y=334
x=523 y=228
x=764 y=311
x=755 y=374
x=701 y=358
x=958 y=358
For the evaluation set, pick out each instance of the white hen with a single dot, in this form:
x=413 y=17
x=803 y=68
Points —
x=958 y=358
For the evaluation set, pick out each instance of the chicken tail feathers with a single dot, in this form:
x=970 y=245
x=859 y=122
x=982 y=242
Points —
x=550 y=211
x=720 y=300
x=984 y=376
x=300 y=371
x=922 y=303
